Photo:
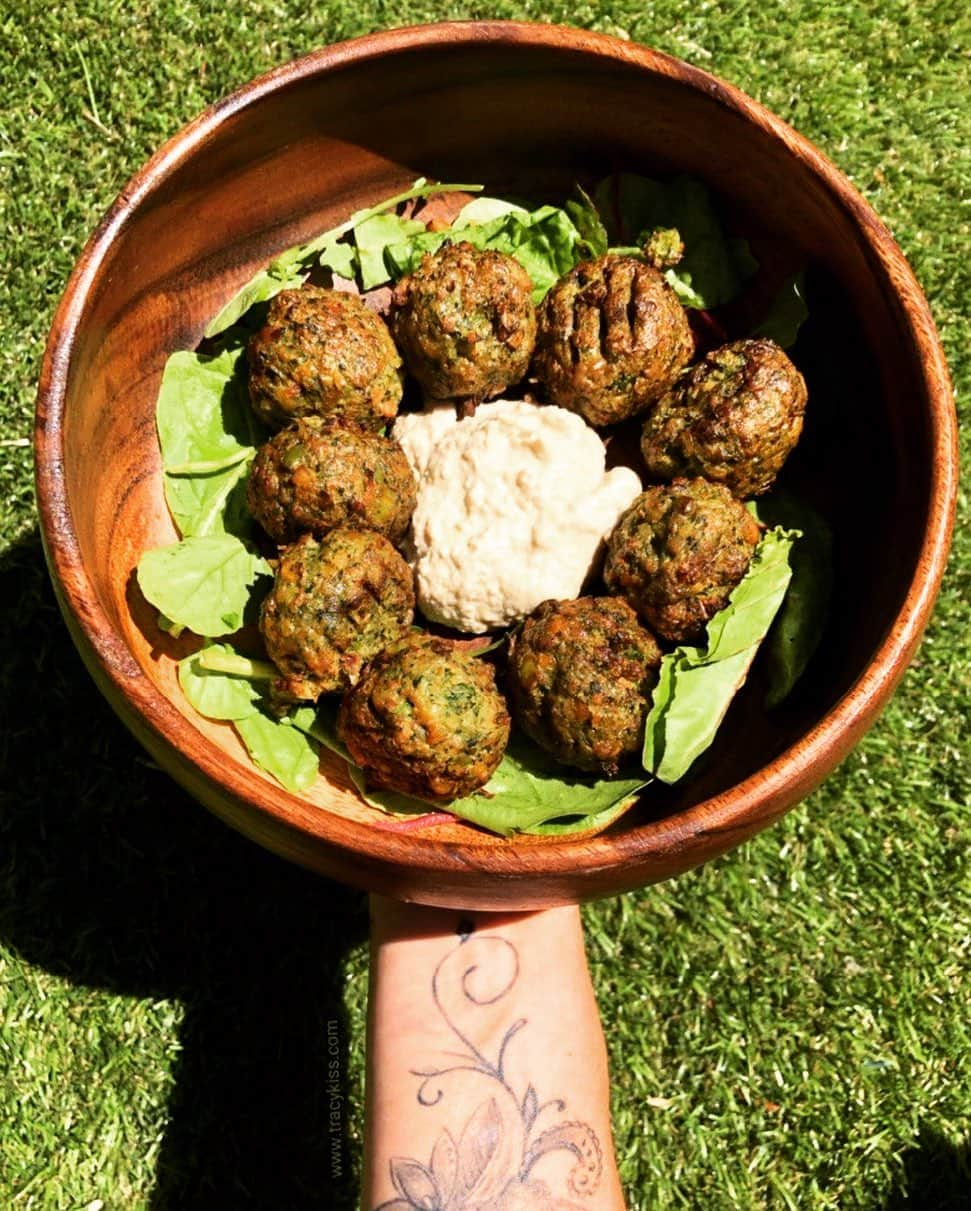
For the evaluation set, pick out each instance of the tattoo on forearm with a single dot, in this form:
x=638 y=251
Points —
x=496 y=1163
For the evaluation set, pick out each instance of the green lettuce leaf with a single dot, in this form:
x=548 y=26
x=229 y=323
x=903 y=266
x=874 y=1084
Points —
x=544 y=241
x=203 y=413
x=339 y=258
x=697 y=684
x=267 y=284
x=373 y=236
x=208 y=436
x=528 y=793
x=282 y=750
x=204 y=584
x=586 y=219
x=291 y=267
x=216 y=693
x=799 y=626
x=714 y=266
x=210 y=504
x=279 y=746
x=787 y=313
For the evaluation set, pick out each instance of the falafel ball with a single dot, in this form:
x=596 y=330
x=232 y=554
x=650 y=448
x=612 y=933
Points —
x=465 y=322
x=324 y=353
x=612 y=338
x=426 y=719
x=319 y=473
x=677 y=553
x=734 y=418
x=336 y=602
x=581 y=674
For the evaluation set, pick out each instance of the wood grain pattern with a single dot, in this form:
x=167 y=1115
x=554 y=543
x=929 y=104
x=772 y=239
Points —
x=530 y=109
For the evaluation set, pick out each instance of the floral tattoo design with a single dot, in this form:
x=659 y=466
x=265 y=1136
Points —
x=495 y=1163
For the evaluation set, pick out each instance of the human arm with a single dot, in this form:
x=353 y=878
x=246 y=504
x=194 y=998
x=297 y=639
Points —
x=487 y=1070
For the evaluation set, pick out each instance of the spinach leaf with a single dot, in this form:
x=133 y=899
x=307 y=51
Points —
x=207 y=434
x=267 y=284
x=203 y=414
x=544 y=241
x=787 y=313
x=798 y=629
x=714 y=265
x=528 y=793
x=214 y=686
x=291 y=267
x=203 y=583
x=697 y=684
x=214 y=692
x=210 y=504
x=373 y=236
x=282 y=750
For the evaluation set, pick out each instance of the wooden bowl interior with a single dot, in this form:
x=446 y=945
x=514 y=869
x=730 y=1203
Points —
x=294 y=155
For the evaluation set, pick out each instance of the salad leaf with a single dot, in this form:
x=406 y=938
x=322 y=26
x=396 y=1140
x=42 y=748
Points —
x=544 y=241
x=203 y=583
x=798 y=629
x=278 y=746
x=586 y=219
x=282 y=750
x=210 y=504
x=339 y=258
x=562 y=826
x=291 y=267
x=697 y=684
x=786 y=314
x=528 y=793
x=260 y=289
x=217 y=693
x=203 y=413
x=714 y=265
x=373 y=236
x=208 y=435
x=484 y=210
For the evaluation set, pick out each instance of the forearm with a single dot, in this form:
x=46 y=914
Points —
x=487 y=1071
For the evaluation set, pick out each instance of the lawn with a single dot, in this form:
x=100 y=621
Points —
x=788 y=1026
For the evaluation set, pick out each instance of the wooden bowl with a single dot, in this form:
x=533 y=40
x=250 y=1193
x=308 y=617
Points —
x=523 y=109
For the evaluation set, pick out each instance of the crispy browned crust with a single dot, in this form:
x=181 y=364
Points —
x=734 y=418
x=677 y=553
x=465 y=322
x=324 y=353
x=320 y=473
x=335 y=603
x=580 y=678
x=612 y=338
x=426 y=719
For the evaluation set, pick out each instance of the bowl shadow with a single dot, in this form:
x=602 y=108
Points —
x=112 y=877
x=936 y=1175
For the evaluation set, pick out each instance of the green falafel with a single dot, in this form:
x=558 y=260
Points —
x=426 y=719
x=677 y=553
x=335 y=603
x=734 y=418
x=319 y=473
x=324 y=353
x=580 y=677
x=612 y=338
x=465 y=322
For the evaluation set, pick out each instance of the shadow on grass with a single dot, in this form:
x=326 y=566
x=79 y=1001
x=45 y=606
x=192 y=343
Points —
x=936 y=1176
x=111 y=876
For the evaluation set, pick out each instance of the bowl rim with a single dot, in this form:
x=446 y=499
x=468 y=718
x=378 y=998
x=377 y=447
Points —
x=734 y=813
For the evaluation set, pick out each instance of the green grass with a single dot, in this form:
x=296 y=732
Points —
x=788 y=1026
